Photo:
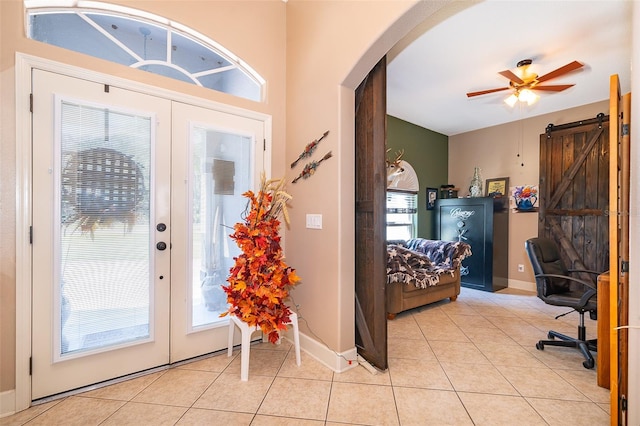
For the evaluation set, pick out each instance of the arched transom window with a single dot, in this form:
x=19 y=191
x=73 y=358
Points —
x=141 y=40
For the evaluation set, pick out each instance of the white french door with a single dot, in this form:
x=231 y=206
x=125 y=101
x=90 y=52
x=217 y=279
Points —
x=132 y=197
x=216 y=157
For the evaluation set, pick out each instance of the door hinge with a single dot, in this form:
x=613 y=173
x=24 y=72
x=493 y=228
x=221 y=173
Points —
x=264 y=144
x=623 y=403
x=30 y=366
x=624 y=266
x=31 y=102
x=31 y=235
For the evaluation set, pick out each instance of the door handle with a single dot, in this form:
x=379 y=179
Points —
x=161 y=245
x=161 y=227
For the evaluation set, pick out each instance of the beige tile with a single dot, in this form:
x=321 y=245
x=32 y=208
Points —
x=177 y=387
x=540 y=383
x=197 y=417
x=124 y=391
x=229 y=393
x=458 y=307
x=300 y=398
x=284 y=345
x=494 y=335
x=362 y=404
x=586 y=381
x=498 y=410
x=309 y=367
x=263 y=362
x=508 y=355
x=446 y=333
x=475 y=320
x=479 y=378
x=24 y=416
x=409 y=349
x=432 y=317
x=216 y=364
x=145 y=414
x=419 y=374
x=606 y=408
x=429 y=407
x=360 y=374
x=494 y=310
x=78 y=411
x=262 y=420
x=404 y=328
x=556 y=412
x=462 y=352
x=506 y=324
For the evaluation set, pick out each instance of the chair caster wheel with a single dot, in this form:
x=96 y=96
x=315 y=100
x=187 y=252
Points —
x=588 y=364
x=550 y=336
x=539 y=346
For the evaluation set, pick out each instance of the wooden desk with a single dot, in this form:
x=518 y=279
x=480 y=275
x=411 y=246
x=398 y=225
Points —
x=603 y=364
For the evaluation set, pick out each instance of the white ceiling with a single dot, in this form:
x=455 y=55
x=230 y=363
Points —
x=427 y=81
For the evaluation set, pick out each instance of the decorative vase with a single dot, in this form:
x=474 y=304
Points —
x=475 y=190
x=526 y=204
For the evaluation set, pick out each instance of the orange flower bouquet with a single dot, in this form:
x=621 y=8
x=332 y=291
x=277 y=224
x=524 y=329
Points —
x=260 y=279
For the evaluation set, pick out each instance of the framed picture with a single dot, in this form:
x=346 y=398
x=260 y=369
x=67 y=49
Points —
x=497 y=187
x=432 y=195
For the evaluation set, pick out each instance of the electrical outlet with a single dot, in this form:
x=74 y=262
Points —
x=520 y=267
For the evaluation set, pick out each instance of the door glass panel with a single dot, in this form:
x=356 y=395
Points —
x=220 y=174
x=103 y=253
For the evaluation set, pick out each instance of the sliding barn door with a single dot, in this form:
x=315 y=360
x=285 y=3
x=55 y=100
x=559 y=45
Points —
x=370 y=195
x=574 y=191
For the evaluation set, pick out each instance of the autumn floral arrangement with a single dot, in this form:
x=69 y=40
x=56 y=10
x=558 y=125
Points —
x=259 y=281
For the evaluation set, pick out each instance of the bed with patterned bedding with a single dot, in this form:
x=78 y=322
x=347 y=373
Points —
x=421 y=271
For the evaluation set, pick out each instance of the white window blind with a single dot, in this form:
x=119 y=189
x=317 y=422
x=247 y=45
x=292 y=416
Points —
x=402 y=212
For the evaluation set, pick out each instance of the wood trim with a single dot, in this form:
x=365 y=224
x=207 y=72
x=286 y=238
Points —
x=614 y=99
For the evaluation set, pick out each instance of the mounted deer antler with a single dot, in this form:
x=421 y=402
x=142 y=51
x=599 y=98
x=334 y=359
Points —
x=394 y=169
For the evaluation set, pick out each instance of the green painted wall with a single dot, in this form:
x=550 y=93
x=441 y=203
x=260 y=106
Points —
x=427 y=152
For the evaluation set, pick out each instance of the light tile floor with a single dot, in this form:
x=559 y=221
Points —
x=469 y=362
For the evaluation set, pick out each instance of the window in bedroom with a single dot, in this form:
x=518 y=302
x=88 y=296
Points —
x=402 y=215
x=142 y=40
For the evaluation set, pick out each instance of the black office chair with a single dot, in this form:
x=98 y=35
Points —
x=556 y=287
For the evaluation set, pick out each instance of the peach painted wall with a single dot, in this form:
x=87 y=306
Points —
x=495 y=150
x=331 y=47
x=253 y=30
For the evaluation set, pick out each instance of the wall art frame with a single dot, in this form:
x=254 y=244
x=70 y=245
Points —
x=432 y=196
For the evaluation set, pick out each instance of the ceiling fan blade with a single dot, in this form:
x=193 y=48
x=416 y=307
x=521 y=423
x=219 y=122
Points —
x=511 y=76
x=562 y=70
x=553 y=88
x=484 y=92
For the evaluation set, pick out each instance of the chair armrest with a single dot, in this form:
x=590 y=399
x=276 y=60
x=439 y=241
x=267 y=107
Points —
x=588 y=294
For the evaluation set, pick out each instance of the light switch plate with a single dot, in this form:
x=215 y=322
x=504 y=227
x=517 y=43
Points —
x=314 y=221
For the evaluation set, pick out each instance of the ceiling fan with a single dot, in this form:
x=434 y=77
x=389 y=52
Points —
x=523 y=85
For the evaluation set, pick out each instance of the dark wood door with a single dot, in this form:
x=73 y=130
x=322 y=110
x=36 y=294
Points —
x=574 y=191
x=370 y=220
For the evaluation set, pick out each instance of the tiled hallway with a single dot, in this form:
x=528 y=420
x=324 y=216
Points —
x=469 y=362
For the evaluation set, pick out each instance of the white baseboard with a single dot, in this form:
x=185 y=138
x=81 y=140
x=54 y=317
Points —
x=7 y=403
x=522 y=285
x=338 y=362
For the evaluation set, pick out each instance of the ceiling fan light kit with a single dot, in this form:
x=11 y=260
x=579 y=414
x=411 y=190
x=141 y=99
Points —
x=524 y=84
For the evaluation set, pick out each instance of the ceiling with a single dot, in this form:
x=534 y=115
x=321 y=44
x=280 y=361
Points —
x=430 y=72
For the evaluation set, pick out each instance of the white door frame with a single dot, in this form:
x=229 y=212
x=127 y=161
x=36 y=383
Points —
x=24 y=261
